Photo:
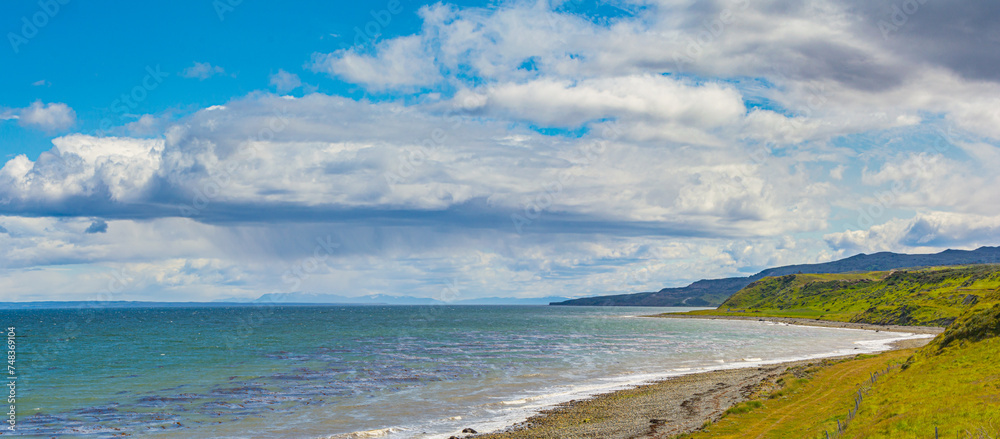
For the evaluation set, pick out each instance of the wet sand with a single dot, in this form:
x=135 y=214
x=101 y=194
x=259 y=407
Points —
x=676 y=405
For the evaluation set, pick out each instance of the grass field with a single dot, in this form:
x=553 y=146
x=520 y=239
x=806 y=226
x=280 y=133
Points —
x=952 y=385
x=808 y=403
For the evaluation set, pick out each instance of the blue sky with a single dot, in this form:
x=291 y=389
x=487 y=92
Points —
x=203 y=150
x=89 y=55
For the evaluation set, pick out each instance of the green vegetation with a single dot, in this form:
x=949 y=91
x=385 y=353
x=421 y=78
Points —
x=744 y=407
x=924 y=297
x=972 y=327
x=952 y=384
x=804 y=403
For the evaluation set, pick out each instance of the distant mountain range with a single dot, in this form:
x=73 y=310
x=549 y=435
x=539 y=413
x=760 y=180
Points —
x=715 y=291
x=282 y=299
x=382 y=299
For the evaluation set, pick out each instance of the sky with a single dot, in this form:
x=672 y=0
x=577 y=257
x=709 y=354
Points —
x=224 y=149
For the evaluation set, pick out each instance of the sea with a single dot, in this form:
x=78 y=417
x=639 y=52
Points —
x=360 y=371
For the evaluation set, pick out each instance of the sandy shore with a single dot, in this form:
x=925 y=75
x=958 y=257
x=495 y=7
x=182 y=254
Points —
x=676 y=405
x=813 y=322
x=658 y=410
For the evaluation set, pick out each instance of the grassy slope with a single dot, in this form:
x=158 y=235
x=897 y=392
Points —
x=953 y=384
x=925 y=297
x=805 y=406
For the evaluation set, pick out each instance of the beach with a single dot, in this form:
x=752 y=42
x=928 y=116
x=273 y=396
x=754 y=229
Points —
x=812 y=322
x=675 y=405
x=409 y=372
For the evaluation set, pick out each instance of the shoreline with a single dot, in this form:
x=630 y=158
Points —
x=682 y=403
x=934 y=330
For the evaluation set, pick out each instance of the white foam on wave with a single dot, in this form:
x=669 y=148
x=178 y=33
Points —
x=611 y=384
x=506 y=412
x=380 y=432
x=515 y=402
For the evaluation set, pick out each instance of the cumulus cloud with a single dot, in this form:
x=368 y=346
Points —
x=49 y=117
x=146 y=125
x=925 y=232
x=81 y=167
x=656 y=107
x=280 y=158
x=399 y=63
x=285 y=82
x=202 y=71
x=826 y=59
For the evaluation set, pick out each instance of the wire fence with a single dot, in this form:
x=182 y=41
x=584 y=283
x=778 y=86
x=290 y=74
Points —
x=859 y=398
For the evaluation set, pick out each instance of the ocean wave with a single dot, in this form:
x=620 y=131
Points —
x=379 y=432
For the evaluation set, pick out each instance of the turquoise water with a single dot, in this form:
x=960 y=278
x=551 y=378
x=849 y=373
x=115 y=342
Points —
x=324 y=371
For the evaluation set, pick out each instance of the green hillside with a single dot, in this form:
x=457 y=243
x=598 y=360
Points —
x=923 y=297
x=952 y=384
x=949 y=387
x=712 y=292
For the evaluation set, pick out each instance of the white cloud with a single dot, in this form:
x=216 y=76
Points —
x=930 y=180
x=178 y=259
x=48 y=117
x=387 y=156
x=146 y=125
x=652 y=107
x=926 y=232
x=837 y=173
x=202 y=71
x=285 y=82
x=400 y=63
x=112 y=168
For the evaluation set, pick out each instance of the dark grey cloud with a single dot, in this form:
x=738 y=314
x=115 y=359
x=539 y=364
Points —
x=98 y=226
x=472 y=215
x=856 y=68
x=961 y=36
x=927 y=232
